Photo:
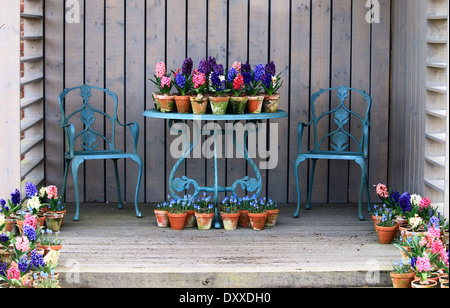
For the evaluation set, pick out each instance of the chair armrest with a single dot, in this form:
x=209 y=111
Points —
x=301 y=127
x=134 y=129
x=69 y=128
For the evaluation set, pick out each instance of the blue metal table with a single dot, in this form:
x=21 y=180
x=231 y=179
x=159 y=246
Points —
x=180 y=184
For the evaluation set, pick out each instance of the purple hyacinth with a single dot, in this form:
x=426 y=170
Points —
x=181 y=80
x=203 y=67
x=3 y=266
x=231 y=74
x=30 y=190
x=15 y=197
x=24 y=264
x=187 y=67
x=218 y=69
x=395 y=195
x=270 y=69
x=30 y=232
x=405 y=202
x=247 y=77
x=267 y=80
x=258 y=72
x=212 y=62
x=215 y=80
x=246 y=68
x=37 y=259
x=4 y=238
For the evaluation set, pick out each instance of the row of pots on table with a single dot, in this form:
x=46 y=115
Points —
x=244 y=219
x=219 y=105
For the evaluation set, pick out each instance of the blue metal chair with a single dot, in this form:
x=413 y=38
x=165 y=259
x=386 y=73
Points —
x=339 y=141
x=89 y=138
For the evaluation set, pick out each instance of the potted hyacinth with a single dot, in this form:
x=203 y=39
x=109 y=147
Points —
x=183 y=83
x=218 y=86
x=54 y=216
x=164 y=102
x=199 y=102
x=237 y=103
x=8 y=210
x=230 y=213
x=271 y=84
x=204 y=212
x=255 y=100
x=386 y=227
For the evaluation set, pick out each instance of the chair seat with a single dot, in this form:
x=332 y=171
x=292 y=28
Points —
x=332 y=155
x=107 y=154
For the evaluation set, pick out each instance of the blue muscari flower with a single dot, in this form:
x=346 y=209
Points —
x=30 y=190
x=231 y=74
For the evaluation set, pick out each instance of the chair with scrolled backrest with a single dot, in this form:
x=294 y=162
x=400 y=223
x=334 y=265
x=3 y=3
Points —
x=339 y=141
x=88 y=136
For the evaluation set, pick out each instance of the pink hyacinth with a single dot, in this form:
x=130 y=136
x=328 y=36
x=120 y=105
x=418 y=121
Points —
x=382 y=191
x=30 y=220
x=423 y=264
x=13 y=272
x=237 y=66
x=160 y=70
x=52 y=192
x=238 y=82
x=23 y=244
x=424 y=204
x=165 y=82
x=198 y=79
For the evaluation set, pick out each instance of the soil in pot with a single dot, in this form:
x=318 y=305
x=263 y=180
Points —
x=162 y=219
x=204 y=221
x=237 y=105
x=177 y=220
x=230 y=221
x=219 y=104
x=183 y=103
x=254 y=104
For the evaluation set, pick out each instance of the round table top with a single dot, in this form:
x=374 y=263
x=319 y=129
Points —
x=152 y=113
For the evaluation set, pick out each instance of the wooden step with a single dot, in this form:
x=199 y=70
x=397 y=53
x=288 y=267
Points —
x=30 y=79
x=31 y=16
x=436 y=160
x=439 y=137
x=28 y=165
x=31 y=59
x=27 y=144
x=27 y=123
x=32 y=37
x=438 y=185
x=439 y=113
x=29 y=101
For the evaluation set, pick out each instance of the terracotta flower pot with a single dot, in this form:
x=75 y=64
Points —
x=204 y=221
x=432 y=276
x=385 y=234
x=190 y=219
x=270 y=104
x=219 y=104
x=402 y=281
x=429 y=284
x=230 y=221
x=257 y=220
x=10 y=223
x=237 y=105
x=156 y=101
x=272 y=216
x=166 y=103
x=402 y=229
x=244 y=220
x=48 y=248
x=177 y=220
x=183 y=103
x=254 y=104
x=199 y=104
x=161 y=218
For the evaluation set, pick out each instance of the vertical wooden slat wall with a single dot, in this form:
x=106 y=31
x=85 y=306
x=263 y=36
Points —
x=315 y=43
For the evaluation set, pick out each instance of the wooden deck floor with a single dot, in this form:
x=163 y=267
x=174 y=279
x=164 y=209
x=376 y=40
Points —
x=325 y=247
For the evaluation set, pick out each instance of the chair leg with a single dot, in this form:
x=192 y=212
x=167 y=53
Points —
x=297 y=162
x=76 y=162
x=138 y=160
x=116 y=172
x=311 y=182
x=66 y=171
x=362 y=163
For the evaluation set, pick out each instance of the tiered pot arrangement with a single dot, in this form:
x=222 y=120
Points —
x=247 y=212
x=210 y=88
x=29 y=238
x=411 y=223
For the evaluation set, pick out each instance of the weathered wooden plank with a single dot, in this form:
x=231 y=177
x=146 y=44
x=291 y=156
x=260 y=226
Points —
x=94 y=73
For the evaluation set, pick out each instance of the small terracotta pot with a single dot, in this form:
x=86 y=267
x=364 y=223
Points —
x=272 y=216
x=162 y=219
x=257 y=220
x=177 y=220
x=230 y=221
x=270 y=104
x=385 y=234
x=10 y=223
x=190 y=219
x=204 y=221
x=402 y=281
x=416 y=284
x=183 y=103
x=244 y=220
x=254 y=104
x=166 y=103
x=156 y=101
x=199 y=104
x=48 y=248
